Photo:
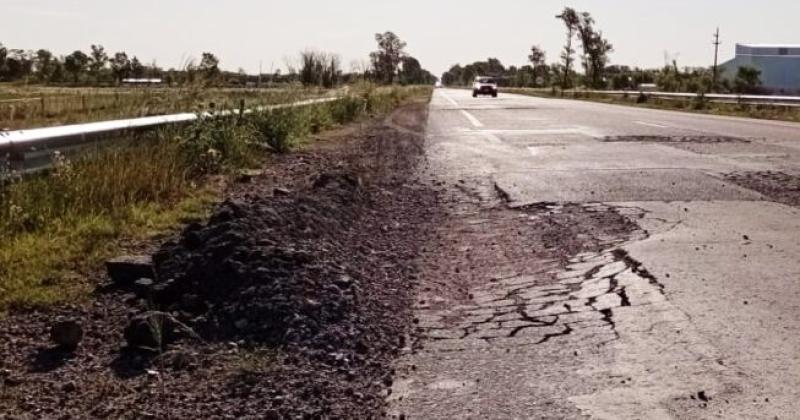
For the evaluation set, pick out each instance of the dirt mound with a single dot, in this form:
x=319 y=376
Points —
x=266 y=271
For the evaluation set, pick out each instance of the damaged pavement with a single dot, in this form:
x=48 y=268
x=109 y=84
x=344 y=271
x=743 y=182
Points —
x=473 y=258
x=610 y=263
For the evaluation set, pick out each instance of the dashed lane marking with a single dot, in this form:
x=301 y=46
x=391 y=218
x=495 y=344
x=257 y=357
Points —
x=449 y=99
x=474 y=121
x=649 y=124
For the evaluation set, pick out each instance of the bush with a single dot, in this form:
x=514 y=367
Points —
x=699 y=102
x=215 y=145
x=346 y=110
x=281 y=129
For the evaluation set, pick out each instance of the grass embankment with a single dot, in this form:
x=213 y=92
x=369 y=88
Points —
x=58 y=227
x=30 y=107
x=697 y=105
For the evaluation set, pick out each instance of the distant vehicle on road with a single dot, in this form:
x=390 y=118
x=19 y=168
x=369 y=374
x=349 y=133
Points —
x=484 y=86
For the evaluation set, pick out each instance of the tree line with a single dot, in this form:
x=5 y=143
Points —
x=597 y=73
x=95 y=67
x=388 y=64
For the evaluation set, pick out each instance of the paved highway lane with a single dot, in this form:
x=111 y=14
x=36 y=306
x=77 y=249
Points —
x=692 y=315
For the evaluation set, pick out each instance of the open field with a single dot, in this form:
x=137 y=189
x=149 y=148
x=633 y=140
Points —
x=36 y=106
x=765 y=111
x=59 y=225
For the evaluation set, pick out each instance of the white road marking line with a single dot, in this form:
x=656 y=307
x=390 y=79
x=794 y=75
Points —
x=472 y=119
x=649 y=124
x=538 y=131
x=449 y=99
x=586 y=131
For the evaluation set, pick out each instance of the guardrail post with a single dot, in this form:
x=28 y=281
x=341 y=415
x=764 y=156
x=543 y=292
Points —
x=16 y=159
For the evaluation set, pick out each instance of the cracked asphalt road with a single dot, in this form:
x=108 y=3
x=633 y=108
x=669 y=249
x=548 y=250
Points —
x=601 y=262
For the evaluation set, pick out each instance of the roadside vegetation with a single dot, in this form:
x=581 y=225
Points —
x=60 y=225
x=41 y=106
x=38 y=88
x=598 y=73
x=699 y=104
x=562 y=80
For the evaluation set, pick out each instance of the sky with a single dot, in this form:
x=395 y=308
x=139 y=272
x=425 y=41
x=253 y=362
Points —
x=250 y=33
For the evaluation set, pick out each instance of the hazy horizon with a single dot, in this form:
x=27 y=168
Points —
x=245 y=33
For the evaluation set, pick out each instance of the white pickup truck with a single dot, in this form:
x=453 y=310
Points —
x=484 y=86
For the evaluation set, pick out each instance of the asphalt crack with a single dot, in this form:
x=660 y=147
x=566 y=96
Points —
x=524 y=308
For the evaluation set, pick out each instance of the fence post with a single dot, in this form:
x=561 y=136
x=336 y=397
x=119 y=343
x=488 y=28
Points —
x=16 y=158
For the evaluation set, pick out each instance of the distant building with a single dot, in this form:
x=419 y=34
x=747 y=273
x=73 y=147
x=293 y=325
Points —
x=779 y=65
x=141 y=81
x=647 y=87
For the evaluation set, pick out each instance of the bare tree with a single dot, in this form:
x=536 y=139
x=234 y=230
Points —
x=571 y=20
x=319 y=69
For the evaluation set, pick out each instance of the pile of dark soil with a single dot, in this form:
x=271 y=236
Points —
x=299 y=288
x=778 y=186
x=270 y=270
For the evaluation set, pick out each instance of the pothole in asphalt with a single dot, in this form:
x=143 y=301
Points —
x=675 y=139
x=578 y=292
x=778 y=186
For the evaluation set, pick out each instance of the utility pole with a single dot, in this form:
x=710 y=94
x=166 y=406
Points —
x=260 y=65
x=716 y=57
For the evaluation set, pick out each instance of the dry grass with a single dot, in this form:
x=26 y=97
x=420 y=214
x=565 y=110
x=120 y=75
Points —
x=40 y=106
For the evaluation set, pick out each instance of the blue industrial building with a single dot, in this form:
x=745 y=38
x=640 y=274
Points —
x=779 y=65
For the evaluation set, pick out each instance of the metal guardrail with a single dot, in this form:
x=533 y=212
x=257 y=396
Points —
x=18 y=141
x=745 y=99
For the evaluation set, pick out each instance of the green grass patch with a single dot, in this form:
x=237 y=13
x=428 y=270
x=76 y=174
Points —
x=53 y=264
